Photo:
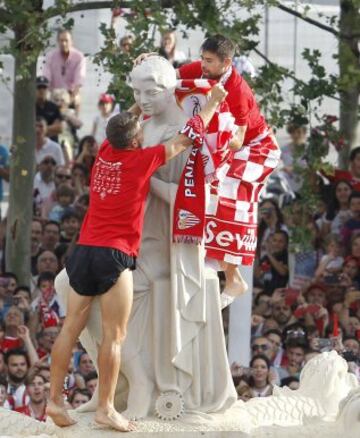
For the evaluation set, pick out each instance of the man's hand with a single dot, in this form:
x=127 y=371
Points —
x=218 y=93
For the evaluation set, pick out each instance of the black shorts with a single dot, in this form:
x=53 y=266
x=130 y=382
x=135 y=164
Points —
x=93 y=270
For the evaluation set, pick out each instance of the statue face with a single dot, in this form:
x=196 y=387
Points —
x=153 y=99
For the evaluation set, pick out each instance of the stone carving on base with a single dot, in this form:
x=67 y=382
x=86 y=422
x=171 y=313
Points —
x=326 y=405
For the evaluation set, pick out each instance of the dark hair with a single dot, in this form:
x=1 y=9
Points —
x=82 y=167
x=121 y=129
x=219 y=45
x=333 y=205
x=9 y=275
x=354 y=195
x=69 y=214
x=354 y=153
x=31 y=377
x=273 y=332
x=85 y=392
x=41 y=119
x=263 y=358
x=52 y=223
x=292 y=127
x=65 y=190
x=24 y=288
x=262 y=224
x=284 y=233
x=296 y=343
x=45 y=276
x=287 y=381
x=87 y=139
x=91 y=376
x=62 y=30
x=258 y=296
x=16 y=352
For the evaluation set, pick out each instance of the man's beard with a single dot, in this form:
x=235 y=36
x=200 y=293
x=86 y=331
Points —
x=16 y=379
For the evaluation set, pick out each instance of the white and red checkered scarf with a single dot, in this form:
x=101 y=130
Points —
x=201 y=166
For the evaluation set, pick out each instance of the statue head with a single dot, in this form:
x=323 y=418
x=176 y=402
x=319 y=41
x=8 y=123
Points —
x=153 y=82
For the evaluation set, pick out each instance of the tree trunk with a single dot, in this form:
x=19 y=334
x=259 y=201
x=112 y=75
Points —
x=349 y=80
x=22 y=170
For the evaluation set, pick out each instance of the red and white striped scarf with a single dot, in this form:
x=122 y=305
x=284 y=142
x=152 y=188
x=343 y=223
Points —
x=189 y=209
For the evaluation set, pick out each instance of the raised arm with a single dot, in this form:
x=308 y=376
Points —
x=180 y=142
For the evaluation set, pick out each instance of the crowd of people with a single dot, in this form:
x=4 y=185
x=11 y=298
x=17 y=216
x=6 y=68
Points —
x=300 y=308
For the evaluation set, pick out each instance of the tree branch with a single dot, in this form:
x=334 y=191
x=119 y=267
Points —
x=101 y=4
x=307 y=19
x=5 y=17
x=286 y=71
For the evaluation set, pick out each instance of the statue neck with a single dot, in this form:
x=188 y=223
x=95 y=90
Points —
x=172 y=114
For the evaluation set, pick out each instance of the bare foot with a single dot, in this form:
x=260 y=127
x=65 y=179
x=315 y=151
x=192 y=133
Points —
x=236 y=286
x=114 y=420
x=59 y=415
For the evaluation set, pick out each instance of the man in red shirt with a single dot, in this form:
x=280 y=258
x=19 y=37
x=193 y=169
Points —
x=249 y=167
x=106 y=252
x=352 y=175
x=35 y=389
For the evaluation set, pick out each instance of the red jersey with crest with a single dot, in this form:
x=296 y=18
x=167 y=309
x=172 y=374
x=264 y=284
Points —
x=120 y=182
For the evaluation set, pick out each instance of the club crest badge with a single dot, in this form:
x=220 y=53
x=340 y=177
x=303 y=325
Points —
x=186 y=220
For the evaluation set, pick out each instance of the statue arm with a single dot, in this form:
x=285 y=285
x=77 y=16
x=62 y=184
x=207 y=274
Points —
x=161 y=189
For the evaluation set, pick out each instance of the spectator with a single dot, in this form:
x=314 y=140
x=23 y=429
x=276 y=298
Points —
x=291 y=382
x=271 y=220
x=70 y=226
x=4 y=170
x=44 y=181
x=3 y=391
x=349 y=276
x=273 y=272
x=125 y=43
x=262 y=305
x=106 y=104
x=91 y=381
x=353 y=224
x=36 y=234
x=88 y=148
x=65 y=196
x=353 y=174
x=65 y=67
x=47 y=110
x=46 y=339
x=275 y=339
x=51 y=236
x=22 y=300
x=79 y=397
x=291 y=155
x=48 y=296
x=86 y=365
x=282 y=313
x=45 y=147
x=338 y=211
x=62 y=176
x=35 y=389
x=331 y=263
x=47 y=261
x=169 y=51
x=71 y=124
x=80 y=179
x=18 y=365
x=295 y=350
x=259 y=380
x=244 y=392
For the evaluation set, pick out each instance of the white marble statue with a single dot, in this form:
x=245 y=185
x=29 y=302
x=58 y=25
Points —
x=175 y=349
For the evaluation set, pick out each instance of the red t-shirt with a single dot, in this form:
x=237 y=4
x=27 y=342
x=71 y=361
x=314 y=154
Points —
x=120 y=182
x=240 y=98
x=26 y=410
x=344 y=175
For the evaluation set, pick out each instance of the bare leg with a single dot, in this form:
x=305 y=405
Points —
x=77 y=313
x=235 y=284
x=115 y=310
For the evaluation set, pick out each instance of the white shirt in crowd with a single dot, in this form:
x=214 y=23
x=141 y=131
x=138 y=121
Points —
x=52 y=149
x=45 y=189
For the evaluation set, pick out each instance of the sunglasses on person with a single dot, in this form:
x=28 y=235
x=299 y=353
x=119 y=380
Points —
x=60 y=176
x=262 y=347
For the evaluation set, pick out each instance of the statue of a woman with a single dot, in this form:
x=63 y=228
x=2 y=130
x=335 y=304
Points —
x=175 y=341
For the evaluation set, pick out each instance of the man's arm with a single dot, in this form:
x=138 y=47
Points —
x=180 y=142
x=238 y=139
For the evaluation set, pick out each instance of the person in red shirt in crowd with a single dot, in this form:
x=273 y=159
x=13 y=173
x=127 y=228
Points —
x=352 y=175
x=259 y=158
x=106 y=252
x=35 y=389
